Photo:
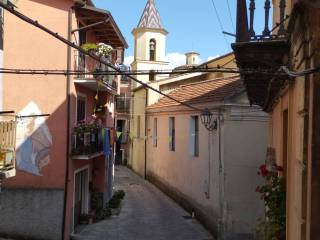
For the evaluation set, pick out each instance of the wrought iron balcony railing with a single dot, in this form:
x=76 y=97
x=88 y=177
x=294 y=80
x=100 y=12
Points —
x=7 y=145
x=265 y=52
x=245 y=29
x=87 y=140
x=97 y=70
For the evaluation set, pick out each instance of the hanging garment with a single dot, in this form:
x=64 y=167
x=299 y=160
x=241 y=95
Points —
x=106 y=142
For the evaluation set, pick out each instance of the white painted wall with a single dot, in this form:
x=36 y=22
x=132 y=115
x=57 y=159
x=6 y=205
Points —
x=222 y=180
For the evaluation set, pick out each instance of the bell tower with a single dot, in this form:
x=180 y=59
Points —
x=150 y=44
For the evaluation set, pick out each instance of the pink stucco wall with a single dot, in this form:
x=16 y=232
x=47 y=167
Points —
x=31 y=48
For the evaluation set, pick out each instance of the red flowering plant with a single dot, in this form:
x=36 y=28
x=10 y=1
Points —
x=273 y=193
x=87 y=137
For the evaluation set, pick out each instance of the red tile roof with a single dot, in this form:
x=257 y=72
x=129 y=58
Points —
x=214 y=90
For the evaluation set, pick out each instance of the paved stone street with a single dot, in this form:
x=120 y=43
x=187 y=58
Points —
x=146 y=214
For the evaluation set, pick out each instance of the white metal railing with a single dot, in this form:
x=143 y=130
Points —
x=86 y=64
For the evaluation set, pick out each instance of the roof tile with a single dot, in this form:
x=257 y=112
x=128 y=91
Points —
x=206 y=91
x=150 y=17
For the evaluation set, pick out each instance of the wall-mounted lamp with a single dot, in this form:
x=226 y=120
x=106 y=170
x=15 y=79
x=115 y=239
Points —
x=208 y=121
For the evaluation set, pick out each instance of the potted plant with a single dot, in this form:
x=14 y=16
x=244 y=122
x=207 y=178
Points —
x=90 y=47
x=273 y=193
x=100 y=49
x=85 y=218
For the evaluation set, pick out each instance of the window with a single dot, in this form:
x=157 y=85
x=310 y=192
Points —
x=172 y=133
x=82 y=57
x=138 y=126
x=155 y=132
x=194 y=136
x=153 y=46
x=151 y=76
x=81 y=108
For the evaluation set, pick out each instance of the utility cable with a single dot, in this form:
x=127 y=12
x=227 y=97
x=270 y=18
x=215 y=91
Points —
x=230 y=15
x=138 y=72
x=73 y=45
x=220 y=23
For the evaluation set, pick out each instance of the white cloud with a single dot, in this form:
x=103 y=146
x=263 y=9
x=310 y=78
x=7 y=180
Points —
x=128 y=60
x=175 y=59
x=212 y=57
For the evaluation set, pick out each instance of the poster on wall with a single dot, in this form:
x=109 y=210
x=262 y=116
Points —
x=34 y=141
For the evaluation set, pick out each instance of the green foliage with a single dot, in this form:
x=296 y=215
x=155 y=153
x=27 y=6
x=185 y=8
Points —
x=85 y=218
x=119 y=194
x=100 y=49
x=83 y=127
x=88 y=47
x=102 y=214
x=115 y=201
x=96 y=200
x=273 y=193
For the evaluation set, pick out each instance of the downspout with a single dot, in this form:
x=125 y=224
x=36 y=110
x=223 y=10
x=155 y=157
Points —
x=209 y=165
x=68 y=78
x=146 y=135
x=1 y=58
x=221 y=176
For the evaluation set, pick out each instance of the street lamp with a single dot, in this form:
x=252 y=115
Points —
x=208 y=121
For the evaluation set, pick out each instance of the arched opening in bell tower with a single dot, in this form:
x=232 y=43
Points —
x=152 y=46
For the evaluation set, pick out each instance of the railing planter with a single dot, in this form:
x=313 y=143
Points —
x=87 y=139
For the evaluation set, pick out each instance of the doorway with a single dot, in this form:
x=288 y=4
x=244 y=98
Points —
x=81 y=195
x=121 y=131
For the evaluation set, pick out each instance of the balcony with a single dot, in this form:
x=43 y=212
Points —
x=87 y=141
x=7 y=148
x=260 y=56
x=123 y=104
x=124 y=79
x=97 y=77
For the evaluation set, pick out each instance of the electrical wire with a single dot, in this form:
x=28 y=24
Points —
x=220 y=23
x=230 y=15
x=73 y=45
x=301 y=73
x=131 y=73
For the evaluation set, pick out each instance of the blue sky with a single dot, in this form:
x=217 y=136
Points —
x=192 y=24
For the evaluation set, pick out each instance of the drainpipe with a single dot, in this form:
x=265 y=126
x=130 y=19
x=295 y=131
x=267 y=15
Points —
x=68 y=78
x=221 y=176
x=1 y=56
x=145 y=135
x=209 y=165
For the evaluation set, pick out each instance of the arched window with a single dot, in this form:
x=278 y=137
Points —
x=153 y=46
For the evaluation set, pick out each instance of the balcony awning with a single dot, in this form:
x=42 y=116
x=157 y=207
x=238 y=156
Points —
x=107 y=32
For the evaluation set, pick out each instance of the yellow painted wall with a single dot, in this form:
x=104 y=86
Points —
x=143 y=37
x=141 y=57
x=137 y=148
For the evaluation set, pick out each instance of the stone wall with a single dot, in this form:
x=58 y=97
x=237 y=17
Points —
x=31 y=213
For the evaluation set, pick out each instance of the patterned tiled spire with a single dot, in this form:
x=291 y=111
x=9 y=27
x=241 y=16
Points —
x=150 y=17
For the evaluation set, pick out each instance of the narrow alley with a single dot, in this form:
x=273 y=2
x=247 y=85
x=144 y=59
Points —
x=146 y=214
